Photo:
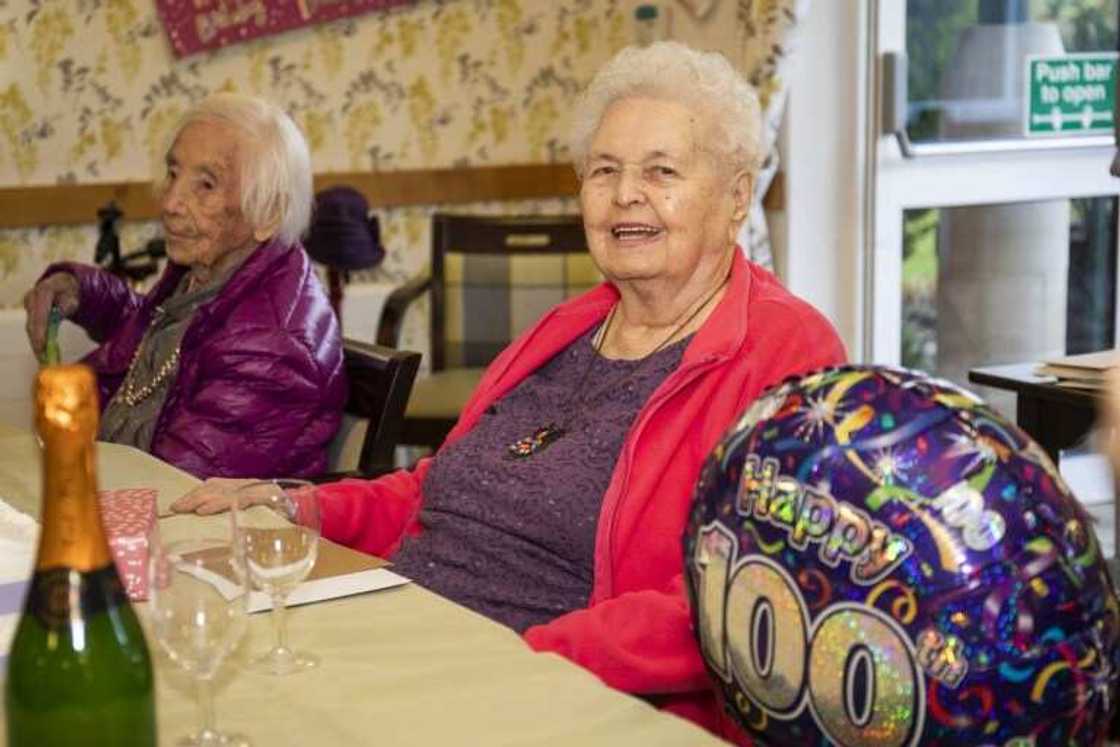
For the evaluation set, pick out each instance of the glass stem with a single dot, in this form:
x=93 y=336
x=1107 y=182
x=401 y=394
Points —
x=279 y=622
x=205 y=706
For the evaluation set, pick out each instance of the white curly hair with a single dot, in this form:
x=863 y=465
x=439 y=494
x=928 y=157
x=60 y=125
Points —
x=275 y=168
x=673 y=71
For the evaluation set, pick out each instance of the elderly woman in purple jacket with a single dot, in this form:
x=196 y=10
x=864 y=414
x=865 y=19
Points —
x=231 y=365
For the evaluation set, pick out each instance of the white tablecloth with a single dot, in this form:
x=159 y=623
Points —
x=399 y=667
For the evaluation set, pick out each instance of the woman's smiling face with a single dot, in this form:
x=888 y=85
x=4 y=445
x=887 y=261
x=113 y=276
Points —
x=657 y=205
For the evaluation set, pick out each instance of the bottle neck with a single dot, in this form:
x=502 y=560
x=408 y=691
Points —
x=72 y=535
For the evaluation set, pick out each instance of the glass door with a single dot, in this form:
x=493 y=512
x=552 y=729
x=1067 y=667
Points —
x=991 y=243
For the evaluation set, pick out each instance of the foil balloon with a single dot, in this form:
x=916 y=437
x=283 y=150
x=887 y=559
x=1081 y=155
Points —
x=878 y=559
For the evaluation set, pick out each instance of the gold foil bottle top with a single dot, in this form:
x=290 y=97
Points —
x=66 y=402
x=66 y=415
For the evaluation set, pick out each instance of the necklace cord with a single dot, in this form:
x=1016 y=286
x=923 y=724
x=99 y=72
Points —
x=547 y=434
x=633 y=372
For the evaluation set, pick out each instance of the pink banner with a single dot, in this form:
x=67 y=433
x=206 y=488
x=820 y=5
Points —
x=196 y=25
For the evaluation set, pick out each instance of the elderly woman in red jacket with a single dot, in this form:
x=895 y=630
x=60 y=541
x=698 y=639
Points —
x=557 y=504
x=232 y=364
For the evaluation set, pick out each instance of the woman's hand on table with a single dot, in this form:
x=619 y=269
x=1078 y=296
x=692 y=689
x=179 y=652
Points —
x=217 y=494
x=213 y=496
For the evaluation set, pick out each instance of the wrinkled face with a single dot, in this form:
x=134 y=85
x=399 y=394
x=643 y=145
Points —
x=201 y=201
x=656 y=203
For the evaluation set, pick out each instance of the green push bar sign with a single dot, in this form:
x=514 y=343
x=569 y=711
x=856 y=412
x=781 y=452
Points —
x=1070 y=94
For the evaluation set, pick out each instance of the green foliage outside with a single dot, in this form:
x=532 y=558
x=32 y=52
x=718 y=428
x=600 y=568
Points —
x=919 y=289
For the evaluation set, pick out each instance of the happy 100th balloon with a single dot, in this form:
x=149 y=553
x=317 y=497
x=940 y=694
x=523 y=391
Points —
x=877 y=559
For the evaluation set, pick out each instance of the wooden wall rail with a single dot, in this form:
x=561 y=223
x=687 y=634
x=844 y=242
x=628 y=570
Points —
x=61 y=204
x=58 y=204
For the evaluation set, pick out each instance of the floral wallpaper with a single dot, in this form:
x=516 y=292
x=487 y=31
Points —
x=441 y=83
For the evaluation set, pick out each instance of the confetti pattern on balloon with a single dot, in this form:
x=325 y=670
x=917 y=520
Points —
x=878 y=559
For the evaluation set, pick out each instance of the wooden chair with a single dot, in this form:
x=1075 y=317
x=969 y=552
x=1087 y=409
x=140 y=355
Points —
x=491 y=278
x=380 y=380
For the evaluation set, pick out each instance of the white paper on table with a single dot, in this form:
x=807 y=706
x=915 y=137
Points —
x=332 y=588
x=19 y=537
x=307 y=592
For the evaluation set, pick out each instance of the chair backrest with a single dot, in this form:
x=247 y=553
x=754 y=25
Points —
x=380 y=381
x=493 y=276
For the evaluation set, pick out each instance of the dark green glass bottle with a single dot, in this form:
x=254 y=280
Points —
x=79 y=672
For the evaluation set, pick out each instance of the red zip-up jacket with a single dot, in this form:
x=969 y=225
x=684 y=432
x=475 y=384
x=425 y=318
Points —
x=635 y=632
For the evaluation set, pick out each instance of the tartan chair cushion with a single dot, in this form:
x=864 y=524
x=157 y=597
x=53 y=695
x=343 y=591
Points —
x=491 y=277
x=491 y=298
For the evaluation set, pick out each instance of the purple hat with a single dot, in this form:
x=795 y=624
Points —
x=343 y=234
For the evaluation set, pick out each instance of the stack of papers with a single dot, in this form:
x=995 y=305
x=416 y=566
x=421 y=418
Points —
x=1085 y=371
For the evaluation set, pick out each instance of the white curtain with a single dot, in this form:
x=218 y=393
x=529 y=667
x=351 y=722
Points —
x=768 y=30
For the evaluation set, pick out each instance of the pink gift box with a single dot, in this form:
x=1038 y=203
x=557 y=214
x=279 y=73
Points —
x=129 y=518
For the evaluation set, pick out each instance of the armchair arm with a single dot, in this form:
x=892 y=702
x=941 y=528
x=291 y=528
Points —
x=392 y=314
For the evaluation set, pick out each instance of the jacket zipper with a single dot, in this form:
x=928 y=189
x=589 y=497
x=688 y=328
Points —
x=604 y=589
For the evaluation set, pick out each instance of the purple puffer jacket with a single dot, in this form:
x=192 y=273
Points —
x=260 y=387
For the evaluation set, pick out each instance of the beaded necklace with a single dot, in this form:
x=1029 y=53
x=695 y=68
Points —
x=131 y=393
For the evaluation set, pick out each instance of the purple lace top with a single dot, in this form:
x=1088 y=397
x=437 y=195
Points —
x=514 y=539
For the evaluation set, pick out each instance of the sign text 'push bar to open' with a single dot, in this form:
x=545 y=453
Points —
x=1070 y=94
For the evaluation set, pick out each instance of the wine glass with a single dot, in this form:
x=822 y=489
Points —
x=198 y=604
x=278 y=537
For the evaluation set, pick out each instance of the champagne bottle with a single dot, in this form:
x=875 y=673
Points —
x=79 y=671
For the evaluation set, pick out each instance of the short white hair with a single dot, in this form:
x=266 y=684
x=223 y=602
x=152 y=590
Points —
x=275 y=167
x=672 y=71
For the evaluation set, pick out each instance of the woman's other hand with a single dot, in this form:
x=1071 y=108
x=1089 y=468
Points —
x=213 y=496
x=59 y=289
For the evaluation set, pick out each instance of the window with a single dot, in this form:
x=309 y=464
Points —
x=990 y=246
